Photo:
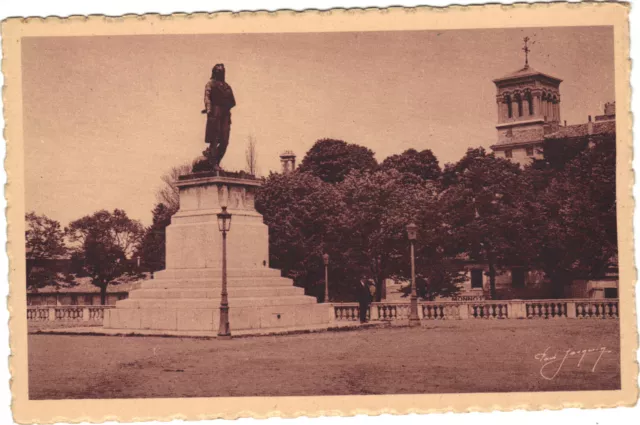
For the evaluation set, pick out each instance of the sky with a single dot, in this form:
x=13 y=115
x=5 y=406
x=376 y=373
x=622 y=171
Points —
x=105 y=117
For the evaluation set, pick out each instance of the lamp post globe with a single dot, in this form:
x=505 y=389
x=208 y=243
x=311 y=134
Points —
x=224 y=225
x=412 y=235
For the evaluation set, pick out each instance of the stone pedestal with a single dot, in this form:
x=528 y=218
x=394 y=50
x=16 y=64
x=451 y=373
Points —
x=186 y=296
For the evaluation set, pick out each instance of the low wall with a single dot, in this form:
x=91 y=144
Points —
x=397 y=311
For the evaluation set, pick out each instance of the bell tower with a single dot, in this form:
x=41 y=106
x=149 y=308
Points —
x=528 y=108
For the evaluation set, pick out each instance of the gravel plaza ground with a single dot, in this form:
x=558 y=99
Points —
x=439 y=357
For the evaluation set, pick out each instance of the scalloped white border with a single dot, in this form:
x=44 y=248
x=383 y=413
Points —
x=525 y=402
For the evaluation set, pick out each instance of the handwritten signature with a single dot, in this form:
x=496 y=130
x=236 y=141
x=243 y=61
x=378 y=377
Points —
x=551 y=364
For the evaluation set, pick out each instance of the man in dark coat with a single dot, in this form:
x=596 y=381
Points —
x=364 y=299
x=218 y=101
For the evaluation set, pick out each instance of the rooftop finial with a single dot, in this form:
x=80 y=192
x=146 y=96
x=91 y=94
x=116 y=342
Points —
x=526 y=52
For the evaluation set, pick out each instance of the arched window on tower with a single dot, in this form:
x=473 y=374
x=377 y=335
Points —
x=529 y=102
x=543 y=104
x=519 y=100
x=507 y=100
x=554 y=106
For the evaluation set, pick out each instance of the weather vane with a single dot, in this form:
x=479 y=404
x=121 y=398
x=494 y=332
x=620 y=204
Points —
x=526 y=52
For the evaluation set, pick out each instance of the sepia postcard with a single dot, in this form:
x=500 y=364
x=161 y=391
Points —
x=314 y=213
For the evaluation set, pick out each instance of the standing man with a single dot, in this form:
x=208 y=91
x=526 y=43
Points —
x=218 y=101
x=364 y=299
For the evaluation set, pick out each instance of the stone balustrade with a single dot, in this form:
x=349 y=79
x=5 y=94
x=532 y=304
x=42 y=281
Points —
x=70 y=313
x=399 y=311
x=507 y=309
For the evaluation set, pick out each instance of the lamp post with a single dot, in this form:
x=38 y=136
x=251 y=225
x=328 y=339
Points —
x=224 y=225
x=414 y=320
x=325 y=258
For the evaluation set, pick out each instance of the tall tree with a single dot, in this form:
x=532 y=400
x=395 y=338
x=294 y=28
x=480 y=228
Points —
x=104 y=242
x=251 y=156
x=577 y=232
x=304 y=215
x=379 y=206
x=332 y=160
x=423 y=163
x=487 y=213
x=44 y=243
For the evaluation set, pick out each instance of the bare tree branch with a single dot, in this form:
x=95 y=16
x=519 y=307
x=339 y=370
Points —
x=251 y=156
x=168 y=193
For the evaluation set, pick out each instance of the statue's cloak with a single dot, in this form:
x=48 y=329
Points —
x=219 y=118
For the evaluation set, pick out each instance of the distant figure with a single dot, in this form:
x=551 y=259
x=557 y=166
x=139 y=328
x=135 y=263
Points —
x=364 y=299
x=218 y=101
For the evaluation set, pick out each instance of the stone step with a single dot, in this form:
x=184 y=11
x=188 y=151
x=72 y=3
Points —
x=185 y=303
x=250 y=282
x=215 y=273
x=214 y=292
x=207 y=319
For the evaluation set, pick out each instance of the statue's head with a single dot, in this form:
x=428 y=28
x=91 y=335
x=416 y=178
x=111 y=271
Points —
x=217 y=73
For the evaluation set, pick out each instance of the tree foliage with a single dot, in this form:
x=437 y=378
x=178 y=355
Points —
x=331 y=160
x=577 y=232
x=423 y=164
x=360 y=222
x=304 y=218
x=152 y=248
x=379 y=206
x=104 y=242
x=44 y=240
x=486 y=212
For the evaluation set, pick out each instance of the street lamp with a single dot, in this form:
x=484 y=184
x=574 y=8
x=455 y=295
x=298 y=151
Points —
x=325 y=258
x=224 y=225
x=414 y=320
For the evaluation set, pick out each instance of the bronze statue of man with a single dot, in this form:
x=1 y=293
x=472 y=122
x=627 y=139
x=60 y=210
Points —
x=218 y=101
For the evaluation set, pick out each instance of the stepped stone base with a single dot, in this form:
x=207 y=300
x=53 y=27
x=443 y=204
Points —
x=189 y=300
x=186 y=296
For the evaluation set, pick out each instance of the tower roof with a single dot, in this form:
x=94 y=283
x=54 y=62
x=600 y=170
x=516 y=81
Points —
x=527 y=71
